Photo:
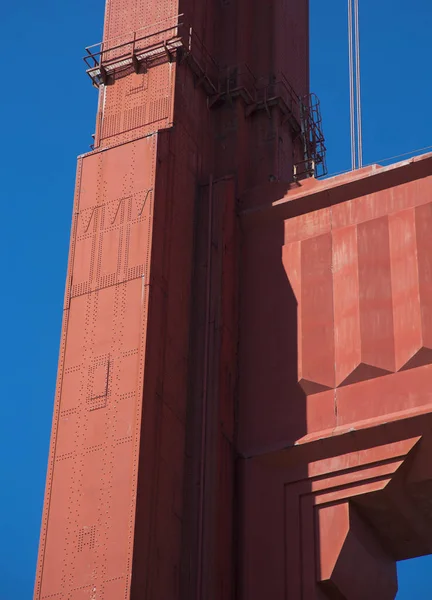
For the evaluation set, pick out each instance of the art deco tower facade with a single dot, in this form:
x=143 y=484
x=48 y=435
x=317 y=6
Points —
x=243 y=397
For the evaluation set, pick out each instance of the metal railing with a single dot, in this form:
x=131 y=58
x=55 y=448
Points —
x=145 y=46
x=174 y=39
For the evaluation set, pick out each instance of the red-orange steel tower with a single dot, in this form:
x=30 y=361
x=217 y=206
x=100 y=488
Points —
x=243 y=404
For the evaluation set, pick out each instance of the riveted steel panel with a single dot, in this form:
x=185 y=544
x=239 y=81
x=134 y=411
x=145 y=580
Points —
x=125 y=16
x=137 y=105
x=87 y=545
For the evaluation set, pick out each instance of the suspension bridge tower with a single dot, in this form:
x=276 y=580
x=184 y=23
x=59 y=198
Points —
x=243 y=406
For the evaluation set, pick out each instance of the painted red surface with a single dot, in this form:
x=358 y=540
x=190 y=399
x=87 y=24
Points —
x=331 y=448
x=243 y=401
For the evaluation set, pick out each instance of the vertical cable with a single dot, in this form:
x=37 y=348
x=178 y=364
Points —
x=351 y=84
x=358 y=85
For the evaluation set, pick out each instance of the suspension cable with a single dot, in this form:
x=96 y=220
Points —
x=351 y=84
x=356 y=132
x=358 y=85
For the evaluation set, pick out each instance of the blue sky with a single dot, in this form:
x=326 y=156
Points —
x=48 y=108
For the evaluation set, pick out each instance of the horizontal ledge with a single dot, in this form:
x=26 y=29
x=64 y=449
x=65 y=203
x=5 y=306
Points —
x=287 y=200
